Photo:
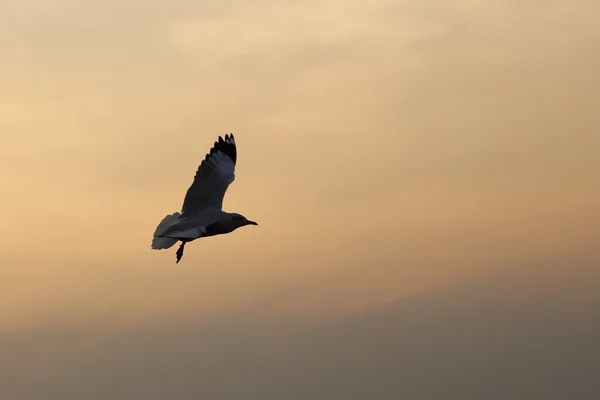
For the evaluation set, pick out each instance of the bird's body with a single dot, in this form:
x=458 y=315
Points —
x=202 y=214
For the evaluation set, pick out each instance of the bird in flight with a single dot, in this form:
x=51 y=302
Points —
x=202 y=212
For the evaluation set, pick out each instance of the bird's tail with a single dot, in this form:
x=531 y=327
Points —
x=159 y=243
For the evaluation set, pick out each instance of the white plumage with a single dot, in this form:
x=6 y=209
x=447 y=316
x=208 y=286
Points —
x=202 y=214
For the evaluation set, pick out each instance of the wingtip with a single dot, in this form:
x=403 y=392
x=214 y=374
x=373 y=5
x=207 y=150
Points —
x=229 y=138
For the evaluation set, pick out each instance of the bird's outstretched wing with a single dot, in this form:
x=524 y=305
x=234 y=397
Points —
x=213 y=177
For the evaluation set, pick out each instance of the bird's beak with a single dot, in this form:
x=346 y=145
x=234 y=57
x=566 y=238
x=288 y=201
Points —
x=252 y=223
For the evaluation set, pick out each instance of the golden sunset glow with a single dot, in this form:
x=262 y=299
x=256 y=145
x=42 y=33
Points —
x=387 y=149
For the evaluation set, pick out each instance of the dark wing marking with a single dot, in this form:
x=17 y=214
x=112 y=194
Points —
x=214 y=175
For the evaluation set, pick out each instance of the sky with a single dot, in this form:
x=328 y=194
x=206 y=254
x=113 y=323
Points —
x=389 y=150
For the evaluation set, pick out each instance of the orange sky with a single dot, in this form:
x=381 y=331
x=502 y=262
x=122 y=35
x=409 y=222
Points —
x=385 y=148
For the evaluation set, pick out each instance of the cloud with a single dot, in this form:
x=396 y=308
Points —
x=290 y=29
x=508 y=335
x=383 y=146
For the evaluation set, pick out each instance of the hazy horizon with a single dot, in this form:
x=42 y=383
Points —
x=389 y=150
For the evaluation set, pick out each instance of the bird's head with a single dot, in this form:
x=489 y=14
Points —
x=240 y=220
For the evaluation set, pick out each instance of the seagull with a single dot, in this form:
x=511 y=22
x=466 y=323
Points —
x=202 y=212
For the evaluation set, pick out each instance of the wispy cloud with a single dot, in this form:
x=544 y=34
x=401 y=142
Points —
x=384 y=146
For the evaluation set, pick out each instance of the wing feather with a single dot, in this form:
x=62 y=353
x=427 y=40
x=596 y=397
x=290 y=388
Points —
x=214 y=175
